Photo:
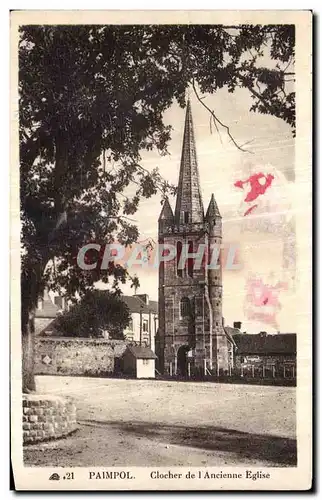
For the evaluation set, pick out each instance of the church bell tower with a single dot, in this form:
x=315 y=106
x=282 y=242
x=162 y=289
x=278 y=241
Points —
x=191 y=332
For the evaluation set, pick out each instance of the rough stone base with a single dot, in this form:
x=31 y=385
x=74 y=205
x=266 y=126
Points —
x=47 y=417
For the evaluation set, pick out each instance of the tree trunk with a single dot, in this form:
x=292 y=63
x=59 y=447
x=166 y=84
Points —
x=31 y=289
x=28 y=331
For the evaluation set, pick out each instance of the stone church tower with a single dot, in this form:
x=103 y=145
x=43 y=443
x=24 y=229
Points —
x=190 y=300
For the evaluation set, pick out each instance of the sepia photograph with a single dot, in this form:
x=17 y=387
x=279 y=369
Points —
x=162 y=246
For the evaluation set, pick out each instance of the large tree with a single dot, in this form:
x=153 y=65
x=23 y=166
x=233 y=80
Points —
x=92 y=99
x=98 y=311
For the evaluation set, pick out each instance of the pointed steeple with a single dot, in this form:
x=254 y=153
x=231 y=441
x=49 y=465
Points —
x=213 y=210
x=166 y=212
x=189 y=207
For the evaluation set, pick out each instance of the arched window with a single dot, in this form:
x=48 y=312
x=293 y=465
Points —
x=185 y=307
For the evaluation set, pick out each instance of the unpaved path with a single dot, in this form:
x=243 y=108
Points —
x=162 y=423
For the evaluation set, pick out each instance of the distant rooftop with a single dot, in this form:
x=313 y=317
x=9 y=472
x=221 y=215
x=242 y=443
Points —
x=142 y=352
x=281 y=343
x=136 y=304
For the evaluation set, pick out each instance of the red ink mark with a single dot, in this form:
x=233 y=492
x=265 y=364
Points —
x=259 y=294
x=250 y=210
x=256 y=187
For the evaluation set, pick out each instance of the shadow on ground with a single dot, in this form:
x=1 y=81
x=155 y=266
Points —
x=281 y=451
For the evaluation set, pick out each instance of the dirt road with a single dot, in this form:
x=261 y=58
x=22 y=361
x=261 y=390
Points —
x=162 y=423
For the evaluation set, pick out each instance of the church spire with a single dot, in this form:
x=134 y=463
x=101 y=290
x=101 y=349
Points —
x=166 y=212
x=189 y=207
x=213 y=210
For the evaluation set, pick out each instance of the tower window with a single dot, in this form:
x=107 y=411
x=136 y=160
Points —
x=190 y=259
x=186 y=217
x=185 y=307
x=179 y=251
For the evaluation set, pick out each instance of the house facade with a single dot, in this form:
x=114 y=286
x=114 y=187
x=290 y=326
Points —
x=144 y=320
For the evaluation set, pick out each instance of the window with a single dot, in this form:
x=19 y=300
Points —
x=190 y=259
x=184 y=307
x=145 y=325
x=146 y=361
x=186 y=217
x=179 y=251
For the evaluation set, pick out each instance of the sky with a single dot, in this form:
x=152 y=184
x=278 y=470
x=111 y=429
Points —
x=263 y=236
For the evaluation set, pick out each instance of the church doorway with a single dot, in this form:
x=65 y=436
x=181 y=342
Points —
x=182 y=358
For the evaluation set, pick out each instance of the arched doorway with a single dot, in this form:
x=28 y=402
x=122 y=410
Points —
x=182 y=358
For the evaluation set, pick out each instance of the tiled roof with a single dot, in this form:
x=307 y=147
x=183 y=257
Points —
x=136 y=305
x=229 y=333
x=43 y=325
x=284 y=343
x=141 y=352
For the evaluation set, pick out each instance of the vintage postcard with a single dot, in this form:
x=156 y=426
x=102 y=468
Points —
x=161 y=214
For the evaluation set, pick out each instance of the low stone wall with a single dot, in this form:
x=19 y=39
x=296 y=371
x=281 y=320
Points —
x=69 y=356
x=47 y=417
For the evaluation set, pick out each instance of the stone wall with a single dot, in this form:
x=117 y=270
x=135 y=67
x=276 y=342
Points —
x=75 y=356
x=47 y=417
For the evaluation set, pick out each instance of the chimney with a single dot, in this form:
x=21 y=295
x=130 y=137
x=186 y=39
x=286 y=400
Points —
x=144 y=297
x=237 y=324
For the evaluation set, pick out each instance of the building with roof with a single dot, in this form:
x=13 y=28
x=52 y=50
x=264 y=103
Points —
x=271 y=351
x=141 y=330
x=144 y=320
x=191 y=333
x=138 y=361
x=48 y=308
